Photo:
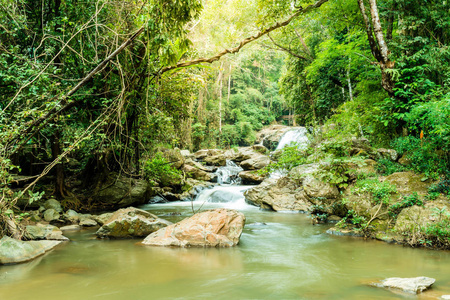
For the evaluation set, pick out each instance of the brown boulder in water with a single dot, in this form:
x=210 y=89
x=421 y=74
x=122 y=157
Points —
x=212 y=228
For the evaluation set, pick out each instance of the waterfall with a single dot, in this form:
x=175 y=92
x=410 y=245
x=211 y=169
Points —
x=223 y=196
x=296 y=135
x=229 y=173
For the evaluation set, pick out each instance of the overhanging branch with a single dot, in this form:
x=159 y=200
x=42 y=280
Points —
x=244 y=42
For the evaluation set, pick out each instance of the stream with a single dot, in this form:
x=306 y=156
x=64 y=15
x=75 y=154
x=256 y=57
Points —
x=280 y=256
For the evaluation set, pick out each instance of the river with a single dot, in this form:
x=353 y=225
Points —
x=280 y=256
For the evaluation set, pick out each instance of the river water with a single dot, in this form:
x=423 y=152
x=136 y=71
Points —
x=280 y=256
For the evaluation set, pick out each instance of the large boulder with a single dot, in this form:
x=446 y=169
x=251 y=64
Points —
x=315 y=188
x=53 y=204
x=51 y=215
x=413 y=285
x=174 y=157
x=409 y=182
x=251 y=177
x=215 y=160
x=197 y=173
x=212 y=228
x=119 y=191
x=412 y=218
x=388 y=153
x=256 y=162
x=44 y=232
x=131 y=222
x=71 y=216
x=13 y=251
x=283 y=194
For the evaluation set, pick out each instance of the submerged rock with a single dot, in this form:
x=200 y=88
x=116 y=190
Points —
x=87 y=220
x=413 y=285
x=13 y=251
x=212 y=228
x=131 y=222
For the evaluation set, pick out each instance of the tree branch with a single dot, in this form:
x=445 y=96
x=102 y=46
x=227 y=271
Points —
x=245 y=41
x=286 y=49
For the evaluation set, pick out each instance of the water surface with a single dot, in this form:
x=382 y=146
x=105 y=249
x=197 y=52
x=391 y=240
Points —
x=280 y=256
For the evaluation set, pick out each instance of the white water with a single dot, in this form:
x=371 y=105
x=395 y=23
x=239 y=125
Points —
x=229 y=173
x=226 y=196
x=296 y=135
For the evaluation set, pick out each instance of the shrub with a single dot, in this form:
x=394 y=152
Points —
x=158 y=170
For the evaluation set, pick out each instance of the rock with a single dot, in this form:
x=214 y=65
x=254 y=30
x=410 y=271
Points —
x=131 y=222
x=70 y=228
x=445 y=297
x=410 y=285
x=212 y=228
x=260 y=148
x=201 y=154
x=173 y=156
x=14 y=251
x=103 y=218
x=270 y=136
x=318 y=189
x=404 y=160
x=51 y=215
x=44 y=232
x=120 y=191
x=157 y=199
x=301 y=171
x=409 y=182
x=279 y=195
x=255 y=163
x=343 y=232
x=412 y=218
x=333 y=219
x=251 y=177
x=197 y=173
x=87 y=220
x=34 y=216
x=215 y=160
x=388 y=153
x=53 y=204
x=186 y=154
x=72 y=216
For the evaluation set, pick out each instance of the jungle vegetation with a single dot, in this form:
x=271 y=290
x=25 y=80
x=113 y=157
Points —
x=108 y=82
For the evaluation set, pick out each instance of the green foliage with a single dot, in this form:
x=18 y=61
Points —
x=380 y=191
x=423 y=156
x=437 y=233
x=386 y=166
x=158 y=170
x=288 y=158
x=407 y=201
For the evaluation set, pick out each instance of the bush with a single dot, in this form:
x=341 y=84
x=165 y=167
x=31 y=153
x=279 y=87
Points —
x=158 y=171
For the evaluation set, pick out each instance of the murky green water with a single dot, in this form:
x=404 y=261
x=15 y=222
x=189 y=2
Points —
x=287 y=258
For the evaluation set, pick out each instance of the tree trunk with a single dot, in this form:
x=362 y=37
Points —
x=59 y=168
x=219 y=81
x=378 y=47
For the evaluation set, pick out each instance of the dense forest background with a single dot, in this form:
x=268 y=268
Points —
x=102 y=82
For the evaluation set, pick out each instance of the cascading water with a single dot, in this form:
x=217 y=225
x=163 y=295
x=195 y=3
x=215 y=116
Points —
x=296 y=135
x=229 y=173
x=224 y=196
